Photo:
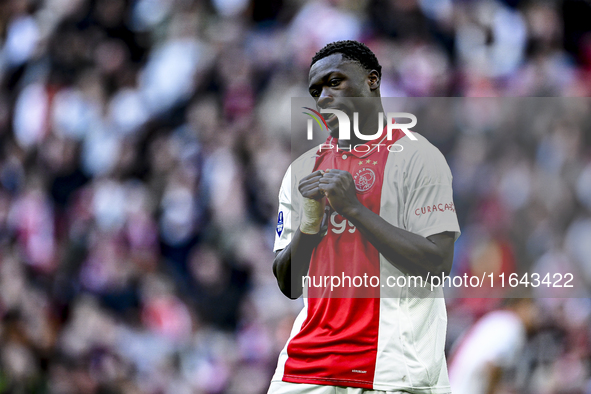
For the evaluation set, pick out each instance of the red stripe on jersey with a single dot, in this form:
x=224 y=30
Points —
x=337 y=343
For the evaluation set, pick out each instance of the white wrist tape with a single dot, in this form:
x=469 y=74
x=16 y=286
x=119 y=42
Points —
x=312 y=217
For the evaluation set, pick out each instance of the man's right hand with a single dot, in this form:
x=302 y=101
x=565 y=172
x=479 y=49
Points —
x=309 y=186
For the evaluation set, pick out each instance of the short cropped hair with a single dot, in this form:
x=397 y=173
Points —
x=352 y=50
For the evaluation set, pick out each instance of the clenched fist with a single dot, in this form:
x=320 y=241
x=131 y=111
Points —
x=309 y=186
x=338 y=186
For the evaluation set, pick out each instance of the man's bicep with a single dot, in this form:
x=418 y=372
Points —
x=445 y=240
x=445 y=244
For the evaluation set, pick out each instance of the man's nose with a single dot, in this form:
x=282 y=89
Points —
x=324 y=99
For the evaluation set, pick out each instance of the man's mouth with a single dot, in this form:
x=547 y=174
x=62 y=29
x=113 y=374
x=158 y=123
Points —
x=330 y=118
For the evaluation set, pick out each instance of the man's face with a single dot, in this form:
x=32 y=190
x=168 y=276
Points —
x=333 y=79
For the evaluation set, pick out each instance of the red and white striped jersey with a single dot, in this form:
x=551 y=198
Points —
x=374 y=335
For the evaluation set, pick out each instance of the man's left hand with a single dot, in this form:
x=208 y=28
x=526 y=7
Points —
x=339 y=188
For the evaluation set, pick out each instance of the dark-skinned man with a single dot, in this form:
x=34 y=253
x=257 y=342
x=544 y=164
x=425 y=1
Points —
x=389 y=214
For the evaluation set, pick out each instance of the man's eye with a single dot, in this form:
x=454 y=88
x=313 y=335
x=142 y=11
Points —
x=334 y=82
x=314 y=93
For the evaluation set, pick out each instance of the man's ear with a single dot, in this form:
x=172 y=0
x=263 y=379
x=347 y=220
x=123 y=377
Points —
x=373 y=79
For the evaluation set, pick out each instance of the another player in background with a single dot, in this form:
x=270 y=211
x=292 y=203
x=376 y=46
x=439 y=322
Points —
x=390 y=214
x=491 y=347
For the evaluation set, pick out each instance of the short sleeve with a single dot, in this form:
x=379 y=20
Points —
x=429 y=207
x=510 y=343
x=287 y=217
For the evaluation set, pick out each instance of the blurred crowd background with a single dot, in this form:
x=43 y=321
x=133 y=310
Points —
x=143 y=142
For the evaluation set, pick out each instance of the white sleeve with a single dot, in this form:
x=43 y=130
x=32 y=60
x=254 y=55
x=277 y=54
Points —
x=288 y=217
x=510 y=344
x=429 y=205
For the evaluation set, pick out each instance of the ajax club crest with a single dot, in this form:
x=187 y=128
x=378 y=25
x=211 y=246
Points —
x=364 y=178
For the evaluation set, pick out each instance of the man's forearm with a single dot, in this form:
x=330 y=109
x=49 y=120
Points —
x=293 y=262
x=409 y=252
